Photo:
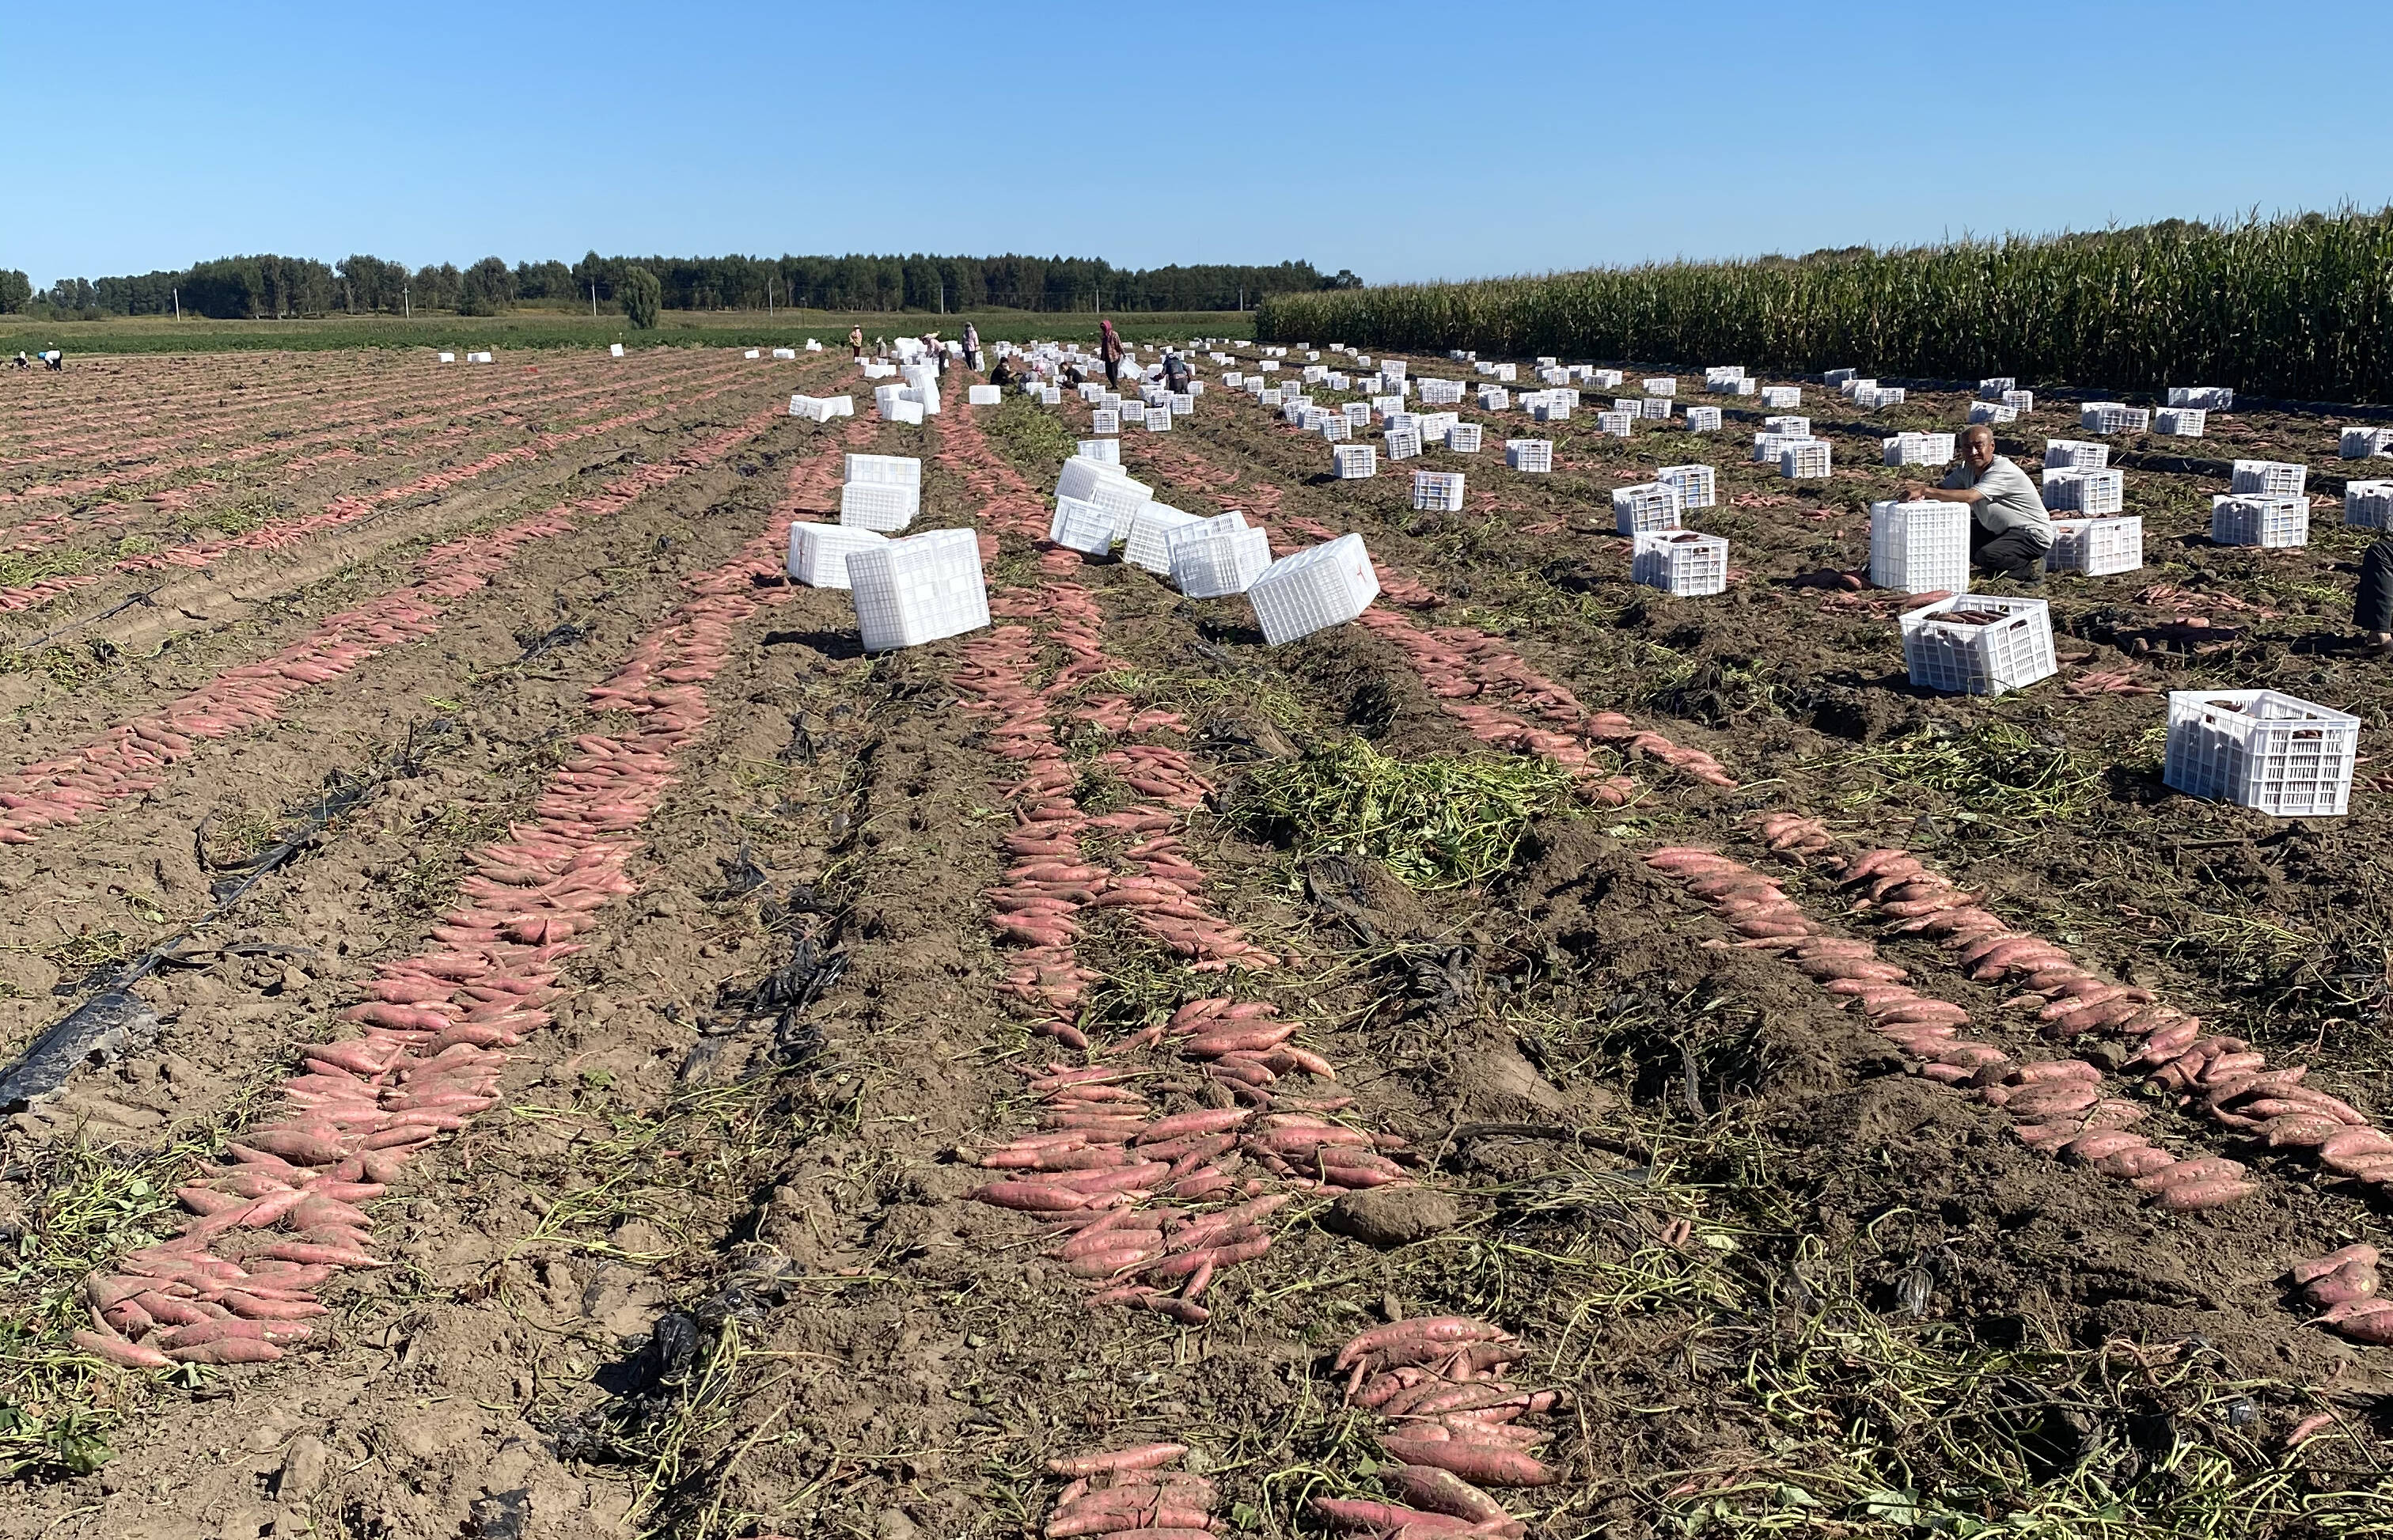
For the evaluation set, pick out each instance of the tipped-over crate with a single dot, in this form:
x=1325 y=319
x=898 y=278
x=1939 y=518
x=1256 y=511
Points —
x=1326 y=586
x=818 y=552
x=1149 y=545
x=1463 y=438
x=2269 y=476
x=1687 y=563
x=918 y=590
x=1919 y=449
x=1991 y=411
x=2098 y=547
x=1354 y=462
x=1534 y=456
x=1979 y=643
x=888 y=506
x=1214 y=557
x=1438 y=492
x=2275 y=519
x=2368 y=504
x=1695 y=484
x=1104 y=450
x=1805 y=460
x=1082 y=526
x=1646 y=505
x=2258 y=749
x=2112 y=417
x=2090 y=492
x=1919 y=547
x=2180 y=422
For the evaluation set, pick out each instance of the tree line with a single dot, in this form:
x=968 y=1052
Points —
x=268 y=286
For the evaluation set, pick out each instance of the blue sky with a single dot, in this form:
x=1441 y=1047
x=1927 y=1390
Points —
x=1401 y=141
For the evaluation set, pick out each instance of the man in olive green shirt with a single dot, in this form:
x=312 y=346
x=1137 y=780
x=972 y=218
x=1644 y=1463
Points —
x=2009 y=531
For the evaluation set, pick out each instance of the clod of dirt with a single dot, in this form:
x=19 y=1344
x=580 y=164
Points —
x=1394 y=1215
x=1499 y=1085
x=304 y=1464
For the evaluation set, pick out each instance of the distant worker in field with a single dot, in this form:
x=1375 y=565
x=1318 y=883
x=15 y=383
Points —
x=855 y=342
x=972 y=345
x=22 y=362
x=2371 y=606
x=936 y=350
x=1175 y=374
x=1109 y=349
x=55 y=360
x=1002 y=374
x=2009 y=531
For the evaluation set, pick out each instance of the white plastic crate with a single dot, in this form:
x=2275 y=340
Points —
x=1463 y=438
x=1439 y=393
x=1991 y=411
x=1268 y=396
x=909 y=412
x=1082 y=527
x=2366 y=443
x=2093 y=493
x=879 y=505
x=1434 y=425
x=812 y=347
x=816 y=408
x=2098 y=547
x=1326 y=586
x=614 y=350
x=1234 y=380
x=1050 y=396
x=1779 y=398
x=1353 y=461
x=1919 y=449
x=2269 y=476
x=1979 y=643
x=2274 y=519
x=2208 y=397
x=2020 y=400
x=1656 y=408
x=1695 y=484
x=983 y=395
x=2180 y=422
x=883 y=470
x=2258 y=749
x=1159 y=419
x=1646 y=505
x=2068 y=454
x=1840 y=377
x=1689 y=565
x=1105 y=451
x=1876 y=397
x=1534 y=456
x=1357 y=413
x=1495 y=398
x=1768 y=447
x=1215 y=557
x=1991 y=389
x=1616 y=424
x=1665 y=385
x=818 y=552
x=1854 y=383
x=1787 y=427
x=918 y=590
x=1438 y=492
x=1919 y=547
x=1182 y=402
x=1716 y=373
x=2112 y=417
x=1101 y=420
x=1508 y=372
x=1550 y=408
x=1703 y=419
x=1132 y=411
x=1082 y=474
x=1633 y=405
x=1121 y=497
x=2368 y=504
x=1334 y=426
x=1402 y=443
x=1806 y=461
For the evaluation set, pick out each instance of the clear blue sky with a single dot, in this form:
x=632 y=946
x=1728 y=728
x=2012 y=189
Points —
x=1400 y=139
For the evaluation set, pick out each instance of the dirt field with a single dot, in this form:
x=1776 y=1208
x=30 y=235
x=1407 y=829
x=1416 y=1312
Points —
x=684 y=1245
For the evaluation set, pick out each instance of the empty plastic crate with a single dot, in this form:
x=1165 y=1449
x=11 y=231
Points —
x=1440 y=392
x=903 y=412
x=2093 y=493
x=1647 y=505
x=2368 y=504
x=2098 y=547
x=1805 y=461
x=1269 y=398
x=1105 y=451
x=2112 y=417
x=2208 y=397
x=1874 y=398
x=1463 y=438
x=1991 y=389
x=2366 y=443
x=879 y=505
x=1687 y=563
x=2065 y=454
x=1695 y=484
x=1215 y=557
x=1550 y=409
x=983 y=395
x=1326 y=586
x=1779 y=398
x=1050 y=396
x=1656 y=408
x=1703 y=419
x=1991 y=411
x=1979 y=643
x=2269 y=476
x=1532 y=456
x=1919 y=547
x=818 y=552
x=2020 y=400
x=1847 y=387
x=1438 y=492
x=2260 y=519
x=1839 y=377
x=1919 y=449
x=1663 y=386
x=2180 y=422
x=1616 y=424
x=1402 y=443
x=918 y=590
x=1159 y=419
x=1082 y=527
x=885 y=470
x=1101 y=420
x=2258 y=749
x=1132 y=411
x=1353 y=461
x=1495 y=398
x=1334 y=426
x=1787 y=427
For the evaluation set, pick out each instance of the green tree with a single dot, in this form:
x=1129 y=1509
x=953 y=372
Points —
x=486 y=288
x=642 y=294
x=16 y=290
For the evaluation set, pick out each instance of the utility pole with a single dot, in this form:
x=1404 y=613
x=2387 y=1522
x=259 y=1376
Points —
x=593 y=299
x=407 y=301
x=179 y=302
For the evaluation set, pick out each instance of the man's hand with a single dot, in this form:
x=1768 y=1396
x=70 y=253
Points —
x=1914 y=491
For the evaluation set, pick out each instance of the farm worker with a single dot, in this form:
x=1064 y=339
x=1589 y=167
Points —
x=855 y=342
x=2009 y=531
x=22 y=362
x=938 y=355
x=1110 y=349
x=1175 y=374
x=2372 y=606
x=1002 y=374
x=972 y=345
x=55 y=360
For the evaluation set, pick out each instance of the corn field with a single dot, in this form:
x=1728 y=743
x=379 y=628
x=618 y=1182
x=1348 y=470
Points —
x=2298 y=309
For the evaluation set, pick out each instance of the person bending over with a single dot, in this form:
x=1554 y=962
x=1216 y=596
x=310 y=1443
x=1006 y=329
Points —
x=2009 y=531
x=2372 y=603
